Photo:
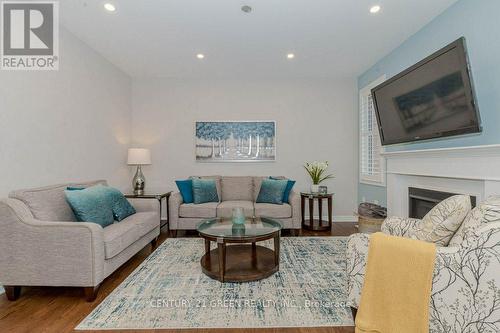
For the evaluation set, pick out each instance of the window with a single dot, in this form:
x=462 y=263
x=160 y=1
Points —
x=372 y=164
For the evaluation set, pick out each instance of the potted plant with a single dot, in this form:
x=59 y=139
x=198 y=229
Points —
x=317 y=172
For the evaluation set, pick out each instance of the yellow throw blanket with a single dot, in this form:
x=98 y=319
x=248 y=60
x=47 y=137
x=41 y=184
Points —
x=397 y=286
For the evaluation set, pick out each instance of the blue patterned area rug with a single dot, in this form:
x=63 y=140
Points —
x=169 y=290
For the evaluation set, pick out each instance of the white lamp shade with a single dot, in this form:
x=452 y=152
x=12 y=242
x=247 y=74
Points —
x=139 y=156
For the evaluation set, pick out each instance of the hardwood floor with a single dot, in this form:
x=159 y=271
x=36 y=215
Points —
x=61 y=309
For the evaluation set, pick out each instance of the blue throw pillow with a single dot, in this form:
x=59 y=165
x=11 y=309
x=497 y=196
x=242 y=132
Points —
x=119 y=204
x=90 y=205
x=271 y=191
x=186 y=189
x=288 y=189
x=204 y=190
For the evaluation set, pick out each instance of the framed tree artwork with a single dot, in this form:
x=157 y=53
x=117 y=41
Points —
x=235 y=141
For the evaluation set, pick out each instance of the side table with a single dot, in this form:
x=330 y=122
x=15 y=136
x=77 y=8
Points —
x=312 y=223
x=156 y=196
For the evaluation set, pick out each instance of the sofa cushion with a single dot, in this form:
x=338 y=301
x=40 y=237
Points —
x=217 y=183
x=486 y=212
x=271 y=191
x=92 y=204
x=119 y=236
x=49 y=203
x=271 y=210
x=204 y=210
x=257 y=183
x=441 y=222
x=186 y=189
x=237 y=188
x=204 y=190
x=225 y=208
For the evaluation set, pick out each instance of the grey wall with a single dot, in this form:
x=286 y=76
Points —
x=316 y=120
x=71 y=124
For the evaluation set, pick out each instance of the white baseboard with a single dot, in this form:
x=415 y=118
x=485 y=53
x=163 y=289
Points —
x=338 y=218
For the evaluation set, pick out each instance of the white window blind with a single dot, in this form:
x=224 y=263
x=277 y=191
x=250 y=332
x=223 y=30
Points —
x=372 y=164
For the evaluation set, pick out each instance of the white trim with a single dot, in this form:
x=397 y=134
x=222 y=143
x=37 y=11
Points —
x=470 y=170
x=483 y=149
x=377 y=179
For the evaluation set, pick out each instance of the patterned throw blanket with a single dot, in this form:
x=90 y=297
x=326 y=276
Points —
x=397 y=286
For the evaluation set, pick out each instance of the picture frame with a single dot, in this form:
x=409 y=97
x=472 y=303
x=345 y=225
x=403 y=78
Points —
x=235 y=141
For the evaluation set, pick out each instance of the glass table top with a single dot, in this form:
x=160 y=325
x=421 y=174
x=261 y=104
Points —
x=226 y=229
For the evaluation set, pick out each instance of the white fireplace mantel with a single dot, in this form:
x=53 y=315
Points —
x=471 y=170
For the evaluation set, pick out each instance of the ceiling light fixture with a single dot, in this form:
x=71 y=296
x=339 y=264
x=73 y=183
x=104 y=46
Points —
x=200 y=56
x=109 y=7
x=290 y=55
x=375 y=9
x=246 y=9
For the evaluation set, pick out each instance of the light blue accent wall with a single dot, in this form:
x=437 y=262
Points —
x=479 y=22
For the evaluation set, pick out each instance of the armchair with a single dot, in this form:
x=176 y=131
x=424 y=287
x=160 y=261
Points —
x=465 y=293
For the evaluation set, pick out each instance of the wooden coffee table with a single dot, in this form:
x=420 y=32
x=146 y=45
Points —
x=243 y=260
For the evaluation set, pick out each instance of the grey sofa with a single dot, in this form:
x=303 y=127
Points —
x=41 y=244
x=235 y=191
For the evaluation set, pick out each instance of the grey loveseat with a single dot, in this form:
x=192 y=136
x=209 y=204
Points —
x=233 y=191
x=41 y=244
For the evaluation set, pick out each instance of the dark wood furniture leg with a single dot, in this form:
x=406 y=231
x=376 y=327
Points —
x=207 y=246
x=303 y=209
x=91 y=293
x=222 y=259
x=330 y=211
x=12 y=292
x=320 y=208
x=311 y=212
x=277 y=250
x=174 y=233
x=354 y=312
x=154 y=244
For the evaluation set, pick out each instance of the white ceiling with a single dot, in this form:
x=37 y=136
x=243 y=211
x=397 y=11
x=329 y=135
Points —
x=330 y=38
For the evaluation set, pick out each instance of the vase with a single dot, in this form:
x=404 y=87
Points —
x=238 y=216
x=314 y=188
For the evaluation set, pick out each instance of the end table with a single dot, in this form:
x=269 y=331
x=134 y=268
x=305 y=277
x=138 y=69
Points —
x=316 y=224
x=156 y=196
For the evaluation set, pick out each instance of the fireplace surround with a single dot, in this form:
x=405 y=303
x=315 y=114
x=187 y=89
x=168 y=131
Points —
x=471 y=170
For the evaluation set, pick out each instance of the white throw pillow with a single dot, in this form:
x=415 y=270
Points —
x=440 y=224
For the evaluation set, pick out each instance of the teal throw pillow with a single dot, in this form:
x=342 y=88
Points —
x=119 y=204
x=90 y=205
x=204 y=190
x=186 y=189
x=272 y=191
x=288 y=189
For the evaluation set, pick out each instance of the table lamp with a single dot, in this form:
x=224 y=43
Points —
x=139 y=157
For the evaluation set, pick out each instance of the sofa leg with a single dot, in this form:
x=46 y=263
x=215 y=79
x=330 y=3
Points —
x=174 y=233
x=12 y=292
x=295 y=232
x=354 y=312
x=154 y=244
x=91 y=293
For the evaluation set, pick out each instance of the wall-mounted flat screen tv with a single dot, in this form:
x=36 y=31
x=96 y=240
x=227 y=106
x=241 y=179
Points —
x=433 y=98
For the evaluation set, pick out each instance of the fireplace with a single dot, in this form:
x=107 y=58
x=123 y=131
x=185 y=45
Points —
x=421 y=201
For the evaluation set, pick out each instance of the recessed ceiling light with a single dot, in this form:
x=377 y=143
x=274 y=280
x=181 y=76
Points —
x=375 y=9
x=109 y=7
x=290 y=55
x=200 y=56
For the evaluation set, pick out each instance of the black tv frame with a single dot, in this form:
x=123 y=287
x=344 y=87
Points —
x=469 y=91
